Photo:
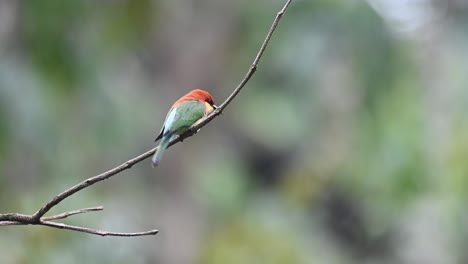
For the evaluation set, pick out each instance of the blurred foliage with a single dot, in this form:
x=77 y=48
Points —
x=348 y=145
x=244 y=243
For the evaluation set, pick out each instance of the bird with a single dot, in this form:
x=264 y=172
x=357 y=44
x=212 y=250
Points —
x=184 y=113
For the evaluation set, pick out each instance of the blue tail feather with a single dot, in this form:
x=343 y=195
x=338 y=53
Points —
x=159 y=153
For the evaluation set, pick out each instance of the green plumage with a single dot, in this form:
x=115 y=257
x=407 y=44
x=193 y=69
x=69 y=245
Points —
x=187 y=113
x=177 y=123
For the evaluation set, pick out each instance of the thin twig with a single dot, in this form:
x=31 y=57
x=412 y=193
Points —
x=95 y=231
x=38 y=217
x=86 y=183
x=250 y=72
x=20 y=219
x=67 y=214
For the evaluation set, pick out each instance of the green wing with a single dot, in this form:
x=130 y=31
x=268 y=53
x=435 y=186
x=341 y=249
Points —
x=187 y=113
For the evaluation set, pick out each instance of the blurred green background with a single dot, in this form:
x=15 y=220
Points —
x=349 y=145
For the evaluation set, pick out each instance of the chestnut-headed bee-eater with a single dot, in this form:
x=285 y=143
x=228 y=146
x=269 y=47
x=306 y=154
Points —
x=184 y=113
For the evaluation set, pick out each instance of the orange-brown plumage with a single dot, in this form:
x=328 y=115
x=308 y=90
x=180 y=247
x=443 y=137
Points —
x=198 y=95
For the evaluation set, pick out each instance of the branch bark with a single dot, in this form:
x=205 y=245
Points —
x=38 y=217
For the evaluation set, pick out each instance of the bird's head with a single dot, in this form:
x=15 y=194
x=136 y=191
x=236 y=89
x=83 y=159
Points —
x=202 y=96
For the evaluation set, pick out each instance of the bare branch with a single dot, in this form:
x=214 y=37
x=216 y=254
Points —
x=254 y=65
x=20 y=219
x=86 y=183
x=38 y=217
x=15 y=217
x=95 y=231
x=70 y=213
